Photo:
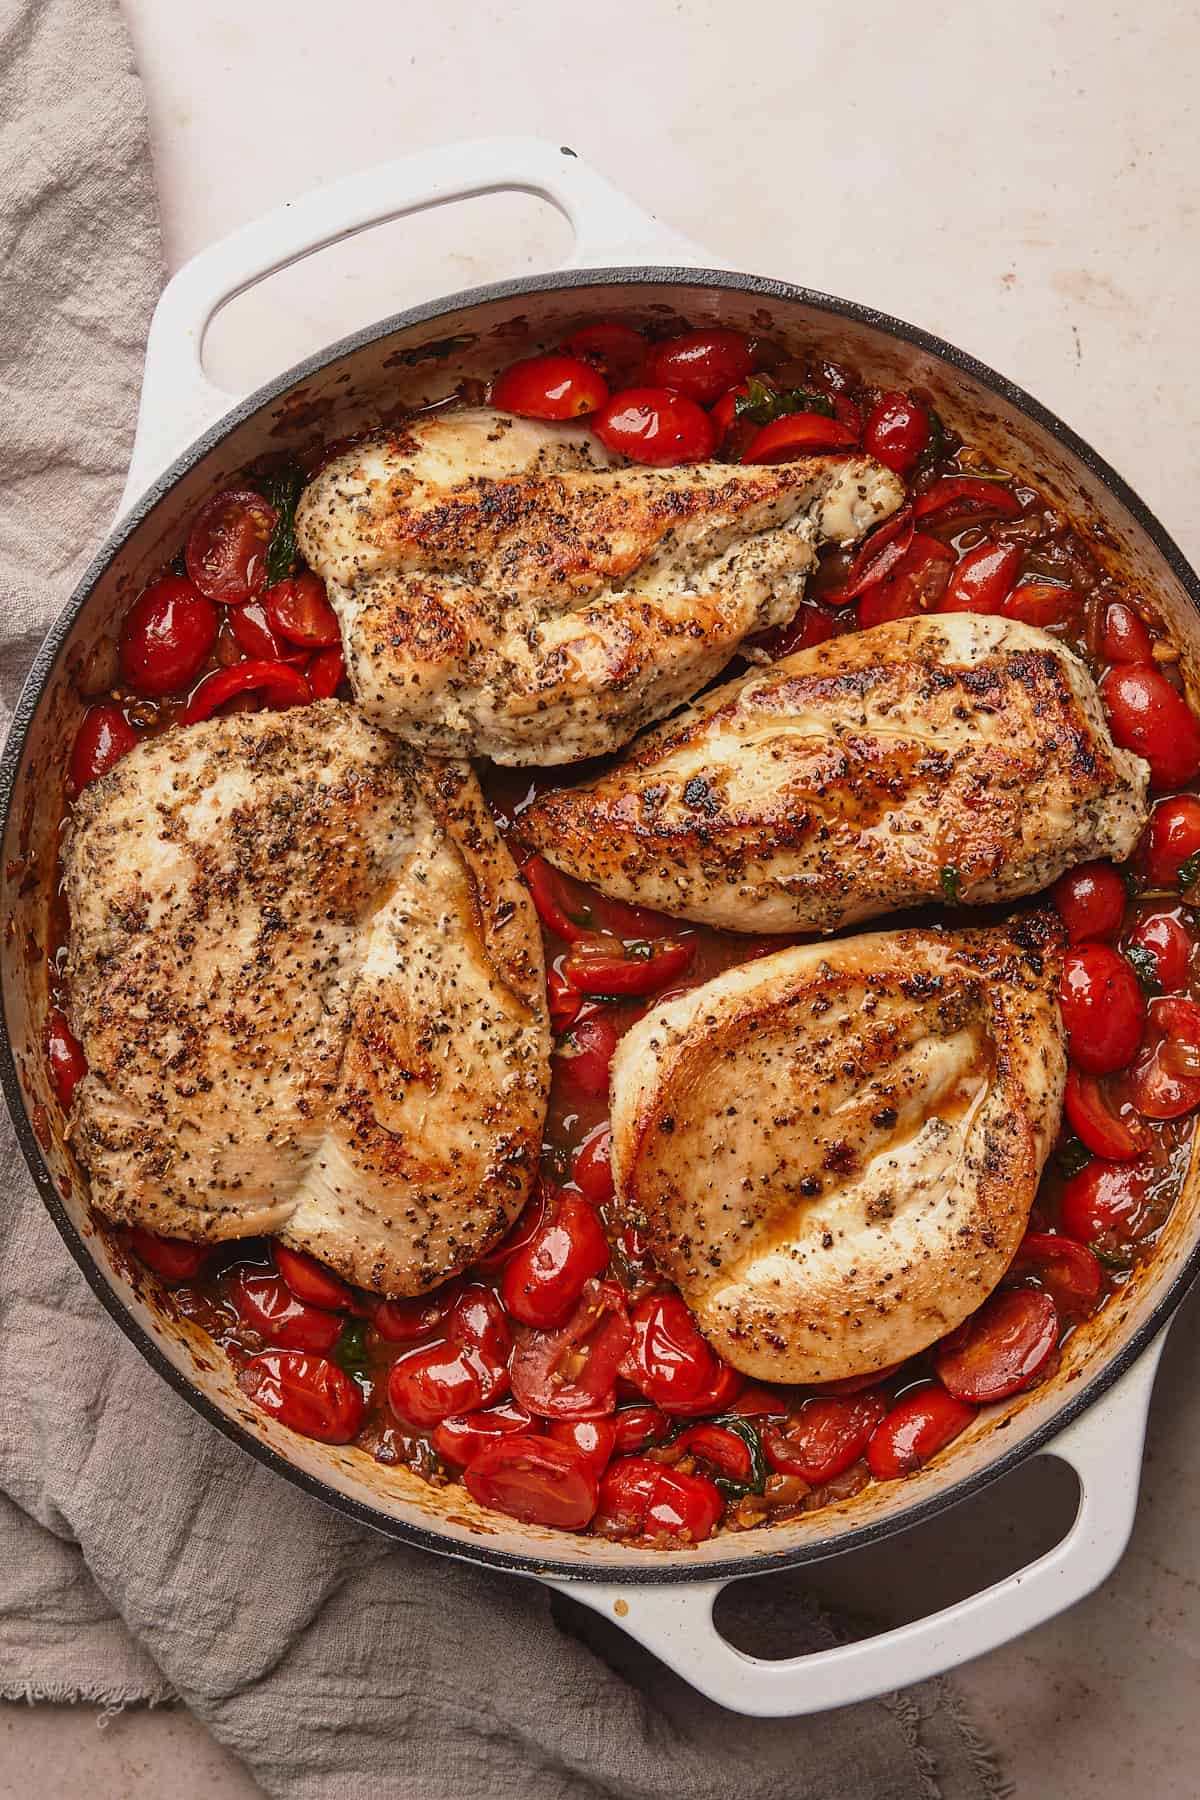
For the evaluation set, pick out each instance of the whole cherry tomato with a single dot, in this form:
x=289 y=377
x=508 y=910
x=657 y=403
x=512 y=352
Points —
x=1000 y=1350
x=1150 y=717
x=669 y=1360
x=646 y=1499
x=103 y=739
x=1105 y=1203
x=616 y=349
x=571 y=1373
x=1041 y=603
x=917 y=1427
x=298 y=610
x=1166 y=939
x=478 y=1321
x=534 y=1479
x=1124 y=638
x=718 y=1395
x=897 y=431
x=169 y=1257
x=226 y=552
x=543 y=1281
x=68 y=1065
x=281 y=685
x=167 y=636
x=591 y=1170
x=700 y=364
x=823 y=1437
x=982 y=580
x=636 y=1427
x=270 y=1307
x=307 y=1393
x=255 y=636
x=550 y=387
x=1105 y=1125
x=1091 y=901
x=459 y=1440
x=593 y=1438
x=439 y=1382
x=586 y=1054
x=1165 y=1079
x=311 y=1281
x=1172 y=839
x=1103 y=1008
x=407 y=1321
x=796 y=435
x=652 y=425
x=1069 y=1270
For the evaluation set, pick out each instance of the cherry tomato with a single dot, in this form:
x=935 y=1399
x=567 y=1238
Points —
x=282 y=686
x=270 y=1308
x=956 y=496
x=918 y=1426
x=1041 y=603
x=254 y=635
x=167 y=636
x=1103 y=1008
x=635 y=1427
x=1165 y=1079
x=586 y=1054
x=311 y=1281
x=878 y=556
x=298 y=610
x=1124 y=638
x=572 y=911
x=645 y=1499
x=1002 y=1349
x=807 y=626
x=1105 y=1203
x=1164 y=936
x=625 y=1492
x=915 y=585
x=477 y=1321
x=438 y=1382
x=103 y=739
x=526 y=1227
x=550 y=387
x=543 y=1281
x=169 y=1257
x=982 y=580
x=617 y=350
x=226 y=553
x=669 y=1359
x=824 y=1437
x=68 y=1065
x=1150 y=717
x=724 y=412
x=725 y=1451
x=897 y=431
x=1106 y=1128
x=459 y=1440
x=1091 y=901
x=536 y=1480
x=598 y=965
x=592 y=1169
x=307 y=1393
x=718 y=1395
x=700 y=364
x=571 y=1373
x=797 y=435
x=407 y=1321
x=593 y=1438
x=325 y=673
x=1172 y=838
x=1070 y=1271
x=758 y=1402
x=654 y=426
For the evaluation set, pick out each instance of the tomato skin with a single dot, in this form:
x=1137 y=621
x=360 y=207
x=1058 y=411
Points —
x=254 y=635
x=700 y=364
x=604 y=966
x=957 y=495
x=268 y=1305
x=1172 y=836
x=1105 y=1202
x=64 y=1052
x=625 y=1492
x=477 y=1321
x=646 y=1499
x=587 y=1054
x=1118 y=1135
x=718 y=1395
x=592 y=1168
x=807 y=626
x=104 y=737
x=310 y=1281
x=460 y=1439
x=550 y=387
x=1000 y=1350
x=1165 y=1080
x=616 y=349
x=670 y=1361
x=877 y=557
x=543 y=1280
x=527 y=1226
x=796 y=435
x=1090 y=901
x=406 y=1321
x=897 y=431
x=723 y=1449
x=571 y=1373
x=1070 y=1271
x=915 y=585
x=435 y=1383
x=1165 y=937
x=167 y=636
x=534 y=1479
x=307 y=1393
x=554 y=901
x=593 y=1438
x=982 y=580
x=636 y=1427
x=298 y=610
x=1103 y=1008
x=1041 y=603
x=325 y=673
x=654 y=426
x=282 y=686
x=169 y=1257
x=920 y=1424
x=226 y=551
x=1148 y=716
x=823 y=1437
x=723 y=412
x=1124 y=637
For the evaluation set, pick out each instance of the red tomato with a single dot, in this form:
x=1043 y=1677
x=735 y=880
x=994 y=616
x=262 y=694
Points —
x=1124 y=638
x=550 y=387
x=625 y=1492
x=1103 y=1008
x=254 y=636
x=637 y=1426
x=103 y=739
x=797 y=435
x=724 y=1451
x=168 y=1257
x=563 y=1000
x=526 y=1227
x=325 y=673
x=758 y=1402
x=598 y=965
x=918 y=1426
x=1107 y=1128
x=1165 y=1079
x=617 y=350
x=592 y=1169
x=1041 y=603
x=593 y=1438
x=1091 y=901
x=807 y=626
x=461 y=1439
x=311 y=1281
x=652 y=425
x=916 y=584
x=543 y=1281
x=700 y=364
x=1172 y=838
x=269 y=1306
x=167 y=636
x=226 y=553
x=1150 y=717
x=718 y=1395
x=572 y=911
x=982 y=580
x=571 y=1373
x=477 y=1321
x=878 y=556
x=439 y=1382
x=1164 y=936
x=298 y=610
x=669 y=1359
x=68 y=1065
x=281 y=684
x=1070 y=1271
x=642 y=1498
x=824 y=1437
x=955 y=496
x=307 y=1393
x=586 y=1053
x=897 y=431
x=1002 y=1349
x=407 y=1321
x=1105 y=1203
x=535 y=1480
x=724 y=412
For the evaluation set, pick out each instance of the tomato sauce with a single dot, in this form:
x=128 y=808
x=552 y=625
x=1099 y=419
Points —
x=562 y=1379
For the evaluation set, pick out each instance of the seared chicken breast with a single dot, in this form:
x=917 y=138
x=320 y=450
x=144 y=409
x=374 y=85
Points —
x=504 y=591
x=309 y=987
x=955 y=757
x=833 y=1151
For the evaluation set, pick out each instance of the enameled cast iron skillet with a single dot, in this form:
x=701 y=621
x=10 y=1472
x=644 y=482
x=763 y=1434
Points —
x=1092 y=1412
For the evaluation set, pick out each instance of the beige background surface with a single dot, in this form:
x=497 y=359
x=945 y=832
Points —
x=1022 y=179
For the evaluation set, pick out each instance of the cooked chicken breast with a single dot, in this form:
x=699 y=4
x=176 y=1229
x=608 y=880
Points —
x=833 y=1151
x=504 y=591
x=955 y=757
x=309 y=987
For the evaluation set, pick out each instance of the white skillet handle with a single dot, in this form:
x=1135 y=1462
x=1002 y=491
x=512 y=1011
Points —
x=1104 y=1448
x=179 y=401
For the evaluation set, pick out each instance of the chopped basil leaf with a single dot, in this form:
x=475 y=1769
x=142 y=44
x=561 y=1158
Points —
x=282 y=487
x=758 y=1463
x=350 y=1351
x=950 y=879
x=1189 y=871
x=761 y=404
x=1073 y=1156
x=1145 y=967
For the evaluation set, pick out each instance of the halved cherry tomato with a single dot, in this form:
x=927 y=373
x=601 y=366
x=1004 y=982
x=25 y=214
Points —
x=226 y=552
x=669 y=1359
x=1165 y=1079
x=1090 y=901
x=103 y=739
x=459 y=1440
x=1172 y=838
x=878 y=556
x=1070 y=1271
x=635 y=1427
x=407 y=1321
x=1002 y=1349
x=254 y=635
x=440 y=1382
x=954 y=496
x=282 y=686
x=897 y=431
x=797 y=435
x=167 y=636
x=652 y=425
x=700 y=364
x=1103 y=1008
x=307 y=1393
x=311 y=1281
x=543 y=1280
x=68 y=1065
x=916 y=584
x=807 y=626
x=1150 y=717
x=593 y=1438
x=982 y=580
x=918 y=1426
x=325 y=673
x=586 y=1054
x=169 y=1257
x=591 y=1170
x=526 y=1227
x=1165 y=938
x=727 y=1453
x=536 y=1480
x=550 y=387
x=823 y=1437
x=298 y=610
x=600 y=965
x=268 y=1305
x=642 y=1498
x=617 y=350
x=1104 y=1125
x=1105 y=1203
x=718 y=1395
x=1041 y=603
x=571 y=1373
x=1124 y=637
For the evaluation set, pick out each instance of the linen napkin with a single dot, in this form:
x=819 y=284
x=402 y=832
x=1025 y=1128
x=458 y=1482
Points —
x=142 y=1557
